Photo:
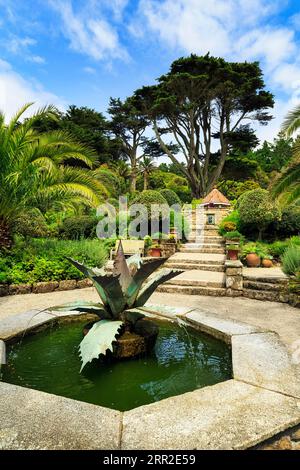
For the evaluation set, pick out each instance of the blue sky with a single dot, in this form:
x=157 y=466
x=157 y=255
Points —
x=84 y=51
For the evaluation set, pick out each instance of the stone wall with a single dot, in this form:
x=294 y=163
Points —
x=219 y=213
x=168 y=249
x=43 y=287
x=234 y=278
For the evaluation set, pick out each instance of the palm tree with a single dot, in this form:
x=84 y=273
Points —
x=146 y=166
x=34 y=173
x=287 y=185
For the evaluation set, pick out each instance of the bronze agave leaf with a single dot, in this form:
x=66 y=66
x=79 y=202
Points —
x=83 y=306
x=116 y=300
x=152 y=284
x=139 y=278
x=91 y=273
x=121 y=269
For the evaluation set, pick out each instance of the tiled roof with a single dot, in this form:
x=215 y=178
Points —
x=215 y=197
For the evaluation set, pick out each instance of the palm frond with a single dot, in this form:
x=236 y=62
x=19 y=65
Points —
x=292 y=122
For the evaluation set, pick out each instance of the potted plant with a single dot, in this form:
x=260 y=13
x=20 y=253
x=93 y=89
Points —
x=234 y=236
x=267 y=261
x=148 y=243
x=233 y=252
x=172 y=238
x=252 y=255
x=155 y=250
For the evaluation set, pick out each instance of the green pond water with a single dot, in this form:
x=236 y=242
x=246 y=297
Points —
x=183 y=360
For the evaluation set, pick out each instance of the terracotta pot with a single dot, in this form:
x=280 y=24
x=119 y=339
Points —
x=155 y=252
x=253 y=260
x=233 y=255
x=267 y=263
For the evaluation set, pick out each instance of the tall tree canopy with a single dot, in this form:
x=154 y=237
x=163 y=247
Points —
x=203 y=100
x=86 y=126
x=128 y=124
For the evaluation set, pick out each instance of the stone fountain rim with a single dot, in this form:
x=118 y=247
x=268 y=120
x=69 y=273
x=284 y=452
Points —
x=261 y=400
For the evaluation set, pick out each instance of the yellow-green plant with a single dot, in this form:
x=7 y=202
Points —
x=34 y=172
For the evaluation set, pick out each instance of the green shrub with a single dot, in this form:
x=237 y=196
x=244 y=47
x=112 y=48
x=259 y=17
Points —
x=278 y=248
x=289 y=224
x=77 y=227
x=257 y=210
x=32 y=223
x=230 y=223
x=149 y=197
x=44 y=260
x=233 y=235
x=234 y=189
x=291 y=260
x=170 y=196
x=179 y=185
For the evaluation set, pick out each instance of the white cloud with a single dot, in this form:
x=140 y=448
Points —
x=235 y=29
x=89 y=70
x=15 y=91
x=21 y=46
x=88 y=32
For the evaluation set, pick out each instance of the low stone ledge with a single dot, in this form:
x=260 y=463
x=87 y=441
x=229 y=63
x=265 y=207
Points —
x=17 y=289
x=228 y=415
x=43 y=287
x=67 y=285
x=4 y=290
x=83 y=283
x=33 y=420
x=263 y=360
x=15 y=326
x=261 y=295
x=219 y=327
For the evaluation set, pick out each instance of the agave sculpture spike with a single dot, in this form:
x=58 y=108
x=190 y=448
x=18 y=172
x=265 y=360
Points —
x=129 y=286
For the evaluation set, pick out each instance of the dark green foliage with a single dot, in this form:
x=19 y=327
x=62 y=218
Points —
x=88 y=127
x=31 y=224
x=170 y=196
x=257 y=210
x=239 y=168
x=212 y=97
x=273 y=157
x=288 y=225
x=234 y=189
x=77 y=227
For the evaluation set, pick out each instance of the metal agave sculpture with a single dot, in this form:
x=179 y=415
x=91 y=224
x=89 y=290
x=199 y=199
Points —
x=121 y=291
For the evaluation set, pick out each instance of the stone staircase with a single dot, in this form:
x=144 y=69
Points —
x=202 y=260
x=265 y=287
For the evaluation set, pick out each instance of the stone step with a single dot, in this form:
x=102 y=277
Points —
x=192 y=290
x=201 y=267
x=202 y=250
x=201 y=258
x=196 y=278
x=265 y=286
x=266 y=280
x=200 y=245
x=264 y=295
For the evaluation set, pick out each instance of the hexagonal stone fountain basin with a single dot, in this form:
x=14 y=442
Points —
x=182 y=360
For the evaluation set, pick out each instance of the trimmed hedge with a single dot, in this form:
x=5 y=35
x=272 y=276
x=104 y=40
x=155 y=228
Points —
x=170 y=196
